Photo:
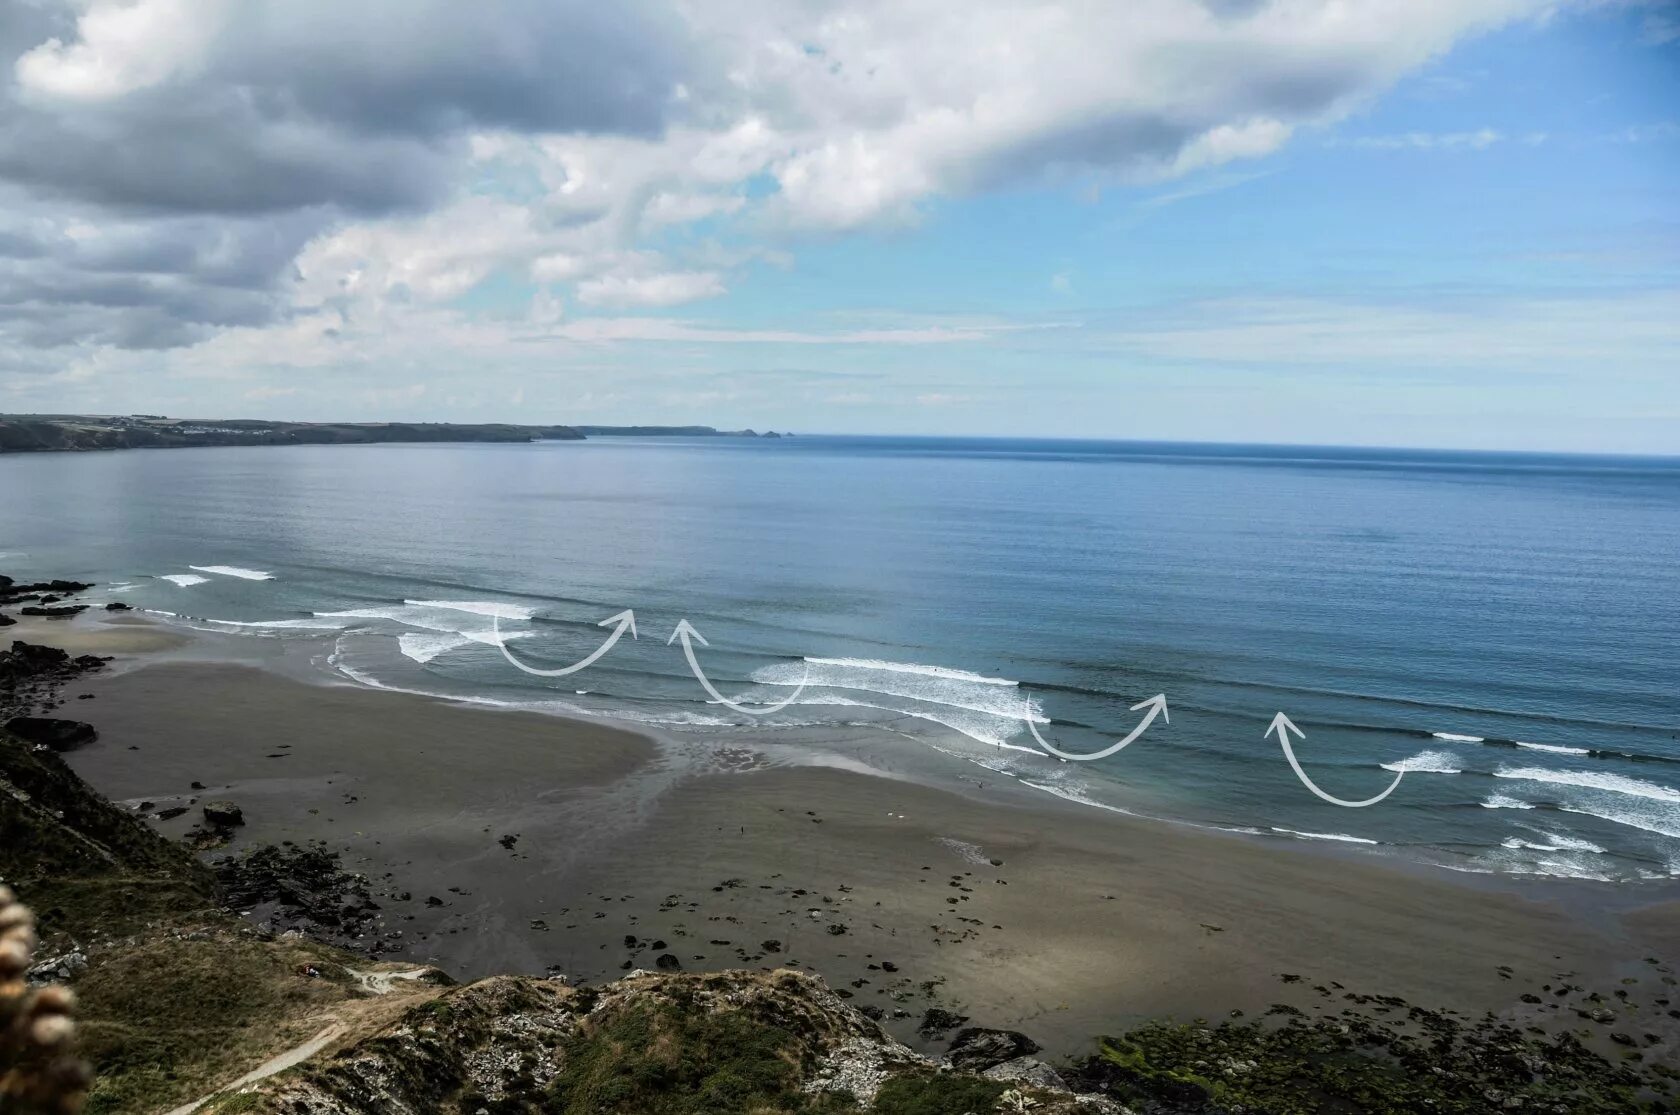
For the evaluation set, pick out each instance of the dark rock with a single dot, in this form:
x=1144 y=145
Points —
x=302 y=887
x=666 y=962
x=938 y=1021
x=224 y=814
x=6 y=620
x=508 y=841
x=1027 y=1070
x=118 y=606
x=770 y=946
x=59 y=612
x=11 y=593
x=977 y=1048
x=60 y=735
x=171 y=813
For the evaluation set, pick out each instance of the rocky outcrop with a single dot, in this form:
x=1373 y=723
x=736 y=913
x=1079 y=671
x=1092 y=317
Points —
x=977 y=1049
x=303 y=888
x=60 y=735
x=727 y=1041
x=11 y=590
x=32 y=675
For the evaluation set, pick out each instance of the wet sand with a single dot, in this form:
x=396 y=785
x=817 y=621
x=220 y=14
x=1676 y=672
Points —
x=111 y=633
x=1018 y=910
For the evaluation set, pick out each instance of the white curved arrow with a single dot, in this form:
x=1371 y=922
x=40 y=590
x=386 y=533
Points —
x=1282 y=725
x=624 y=619
x=1157 y=707
x=685 y=631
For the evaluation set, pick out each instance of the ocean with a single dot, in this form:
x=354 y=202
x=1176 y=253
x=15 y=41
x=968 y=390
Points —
x=1502 y=628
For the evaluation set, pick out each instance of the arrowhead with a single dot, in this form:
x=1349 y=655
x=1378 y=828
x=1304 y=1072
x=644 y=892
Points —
x=685 y=630
x=1282 y=725
x=1155 y=704
x=626 y=618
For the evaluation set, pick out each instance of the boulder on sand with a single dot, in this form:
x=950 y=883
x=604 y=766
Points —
x=223 y=814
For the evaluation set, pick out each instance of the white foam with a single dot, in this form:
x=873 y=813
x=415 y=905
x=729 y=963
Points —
x=1428 y=762
x=988 y=710
x=477 y=608
x=1339 y=837
x=1555 y=863
x=234 y=571
x=424 y=648
x=968 y=853
x=429 y=617
x=910 y=668
x=1651 y=817
x=1557 y=749
x=284 y=624
x=1593 y=780
x=1504 y=801
x=982 y=727
x=1452 y=738
x=1555 y=842
x=184 y=580
x=1075 y=796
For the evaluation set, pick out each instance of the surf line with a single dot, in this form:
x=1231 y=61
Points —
x=687 y=633
x=1157 y=705
x=1281 y=724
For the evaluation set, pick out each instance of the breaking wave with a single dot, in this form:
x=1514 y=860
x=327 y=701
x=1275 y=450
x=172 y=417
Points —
x=1592 y=780
x=1428 y=762
x=234 y=571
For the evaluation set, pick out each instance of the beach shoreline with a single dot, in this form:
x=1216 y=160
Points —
x=1014 y=908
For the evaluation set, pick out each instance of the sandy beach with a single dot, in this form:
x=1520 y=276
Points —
x=510 y=841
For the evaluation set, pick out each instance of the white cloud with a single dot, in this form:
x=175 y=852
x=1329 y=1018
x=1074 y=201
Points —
x=1477 y=140
x=1629 y=332
x=276 y=181
x=670 y=289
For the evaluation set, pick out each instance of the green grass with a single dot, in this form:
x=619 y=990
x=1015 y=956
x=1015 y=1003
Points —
x=937 y=1095
x=1429 y=1063
x=171 y=1018
x=659 y=1059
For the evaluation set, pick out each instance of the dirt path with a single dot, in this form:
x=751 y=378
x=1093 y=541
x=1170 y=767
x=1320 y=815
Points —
x=279 y=1063
x=376 y=983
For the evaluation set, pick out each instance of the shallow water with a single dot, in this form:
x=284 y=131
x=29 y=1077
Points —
x=1502 y=628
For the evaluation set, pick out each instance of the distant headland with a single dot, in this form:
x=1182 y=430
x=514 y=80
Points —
x=23 y=433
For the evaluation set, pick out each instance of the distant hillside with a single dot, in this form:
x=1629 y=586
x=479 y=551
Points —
x=49 y=432
x=669 y=431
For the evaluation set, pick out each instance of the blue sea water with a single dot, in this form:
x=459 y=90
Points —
x=1503 y=626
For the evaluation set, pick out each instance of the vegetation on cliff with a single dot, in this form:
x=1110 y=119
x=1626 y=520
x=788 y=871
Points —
x=45 y=432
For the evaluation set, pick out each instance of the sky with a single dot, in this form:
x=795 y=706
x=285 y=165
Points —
x=1443 y=223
